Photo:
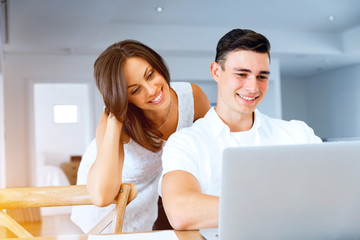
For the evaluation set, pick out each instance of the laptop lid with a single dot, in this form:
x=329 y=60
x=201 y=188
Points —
x=291 y=192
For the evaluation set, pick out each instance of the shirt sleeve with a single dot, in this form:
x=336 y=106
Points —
x=312 y=138
x=308 y=132
x=179 y=153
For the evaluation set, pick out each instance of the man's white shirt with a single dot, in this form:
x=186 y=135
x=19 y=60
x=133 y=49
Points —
x=198 y=149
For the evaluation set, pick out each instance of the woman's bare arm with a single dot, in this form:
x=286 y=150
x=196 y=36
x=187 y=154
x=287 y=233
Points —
x=104 y=177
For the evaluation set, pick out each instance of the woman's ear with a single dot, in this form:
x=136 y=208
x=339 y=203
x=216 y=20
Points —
x=215 y=70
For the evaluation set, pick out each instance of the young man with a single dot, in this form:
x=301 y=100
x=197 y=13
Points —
x=190 y=184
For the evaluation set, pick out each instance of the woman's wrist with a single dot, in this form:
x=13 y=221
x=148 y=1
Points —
x=113 y=124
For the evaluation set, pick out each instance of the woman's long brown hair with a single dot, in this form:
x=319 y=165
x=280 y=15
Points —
x=109 y=77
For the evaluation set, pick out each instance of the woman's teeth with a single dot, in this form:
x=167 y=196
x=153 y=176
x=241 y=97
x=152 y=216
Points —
x=158 y=97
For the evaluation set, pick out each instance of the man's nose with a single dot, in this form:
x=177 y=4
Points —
x=252 y=84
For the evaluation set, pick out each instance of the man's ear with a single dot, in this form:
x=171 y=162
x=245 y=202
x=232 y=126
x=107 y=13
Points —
x=215 y=70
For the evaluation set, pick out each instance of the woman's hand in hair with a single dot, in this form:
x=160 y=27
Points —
x=113 y=122
x=120 y=117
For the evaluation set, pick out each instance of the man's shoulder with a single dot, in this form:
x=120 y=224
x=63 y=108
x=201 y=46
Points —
x=293 y=128
x=275 y=122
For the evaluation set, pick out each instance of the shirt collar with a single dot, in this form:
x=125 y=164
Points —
x=217 y=126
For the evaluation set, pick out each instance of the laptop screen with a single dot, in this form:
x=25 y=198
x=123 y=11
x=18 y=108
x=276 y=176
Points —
x=291 y=192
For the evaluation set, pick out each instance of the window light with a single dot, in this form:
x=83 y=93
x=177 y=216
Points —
x=65 y=113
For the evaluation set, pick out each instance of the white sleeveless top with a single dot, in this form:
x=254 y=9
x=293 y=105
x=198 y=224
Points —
x=141 y=168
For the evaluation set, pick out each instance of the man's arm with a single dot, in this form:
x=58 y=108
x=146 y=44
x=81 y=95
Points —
x=186 y=207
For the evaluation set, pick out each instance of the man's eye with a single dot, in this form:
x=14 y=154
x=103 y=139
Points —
x=263 y=77
x=242 y=74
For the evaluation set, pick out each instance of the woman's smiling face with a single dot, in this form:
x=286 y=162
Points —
x=146 y=87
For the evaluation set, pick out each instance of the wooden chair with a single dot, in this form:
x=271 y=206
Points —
x=31 y=197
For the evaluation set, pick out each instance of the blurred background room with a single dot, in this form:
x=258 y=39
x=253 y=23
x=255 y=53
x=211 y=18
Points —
x=48 y=49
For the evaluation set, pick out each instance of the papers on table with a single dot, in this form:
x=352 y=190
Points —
x=161 y=235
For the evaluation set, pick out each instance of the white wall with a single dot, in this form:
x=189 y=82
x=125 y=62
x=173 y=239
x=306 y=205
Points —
x=2 y=126
x=19 y=70
x=333 y=103
x=329 y=103
x=2 y=135
x=293 y=99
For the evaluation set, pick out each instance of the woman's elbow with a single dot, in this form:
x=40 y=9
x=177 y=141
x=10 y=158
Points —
x=101 y=202
x=101 y=198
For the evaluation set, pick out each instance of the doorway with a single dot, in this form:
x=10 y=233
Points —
x=62 y=128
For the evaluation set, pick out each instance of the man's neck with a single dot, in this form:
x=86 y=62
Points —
x=237 y=122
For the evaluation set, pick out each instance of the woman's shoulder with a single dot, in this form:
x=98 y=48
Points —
x=187 y=87
x=192 y=95
x=201 y=102
x=180 y=87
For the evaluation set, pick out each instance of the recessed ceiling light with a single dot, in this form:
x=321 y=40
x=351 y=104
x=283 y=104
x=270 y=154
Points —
x=331 y=18
x=159 y=9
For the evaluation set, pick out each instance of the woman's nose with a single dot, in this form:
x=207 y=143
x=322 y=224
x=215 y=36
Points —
x=151 y=89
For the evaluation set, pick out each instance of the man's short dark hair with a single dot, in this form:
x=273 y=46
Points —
x=241 y=39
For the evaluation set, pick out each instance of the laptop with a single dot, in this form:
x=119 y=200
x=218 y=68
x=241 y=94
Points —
x=290 y=192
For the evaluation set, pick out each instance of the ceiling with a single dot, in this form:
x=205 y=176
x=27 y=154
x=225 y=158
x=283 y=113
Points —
x=303 y=38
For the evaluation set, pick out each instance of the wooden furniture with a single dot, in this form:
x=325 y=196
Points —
x=70 y=169
x=25 y=215
x=30 y=197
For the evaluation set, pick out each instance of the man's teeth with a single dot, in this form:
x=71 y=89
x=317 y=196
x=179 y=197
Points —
x=157 y=98
x=247 y=98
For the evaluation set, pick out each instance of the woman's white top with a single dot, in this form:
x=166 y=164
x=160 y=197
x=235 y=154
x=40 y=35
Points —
x=141 y=168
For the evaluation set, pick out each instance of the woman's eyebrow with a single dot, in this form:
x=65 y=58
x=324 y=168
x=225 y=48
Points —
x=132 y=85
x=146 y=71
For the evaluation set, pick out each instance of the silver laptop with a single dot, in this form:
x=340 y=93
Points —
x=290 y=192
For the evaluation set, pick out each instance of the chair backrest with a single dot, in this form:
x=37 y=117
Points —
x=29 y=197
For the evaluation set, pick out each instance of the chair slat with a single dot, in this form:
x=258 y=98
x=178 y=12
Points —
x=120 y=209
x=30 y=197
x=13 y=226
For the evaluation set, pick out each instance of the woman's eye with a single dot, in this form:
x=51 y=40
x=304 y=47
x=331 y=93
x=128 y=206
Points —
x=135 y=91
x=150 y=74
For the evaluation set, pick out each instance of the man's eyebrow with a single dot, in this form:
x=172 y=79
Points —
x=242 y=70
x=249 y=71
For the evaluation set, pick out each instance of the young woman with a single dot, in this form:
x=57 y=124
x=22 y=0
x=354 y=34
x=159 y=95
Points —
x=142 y=111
